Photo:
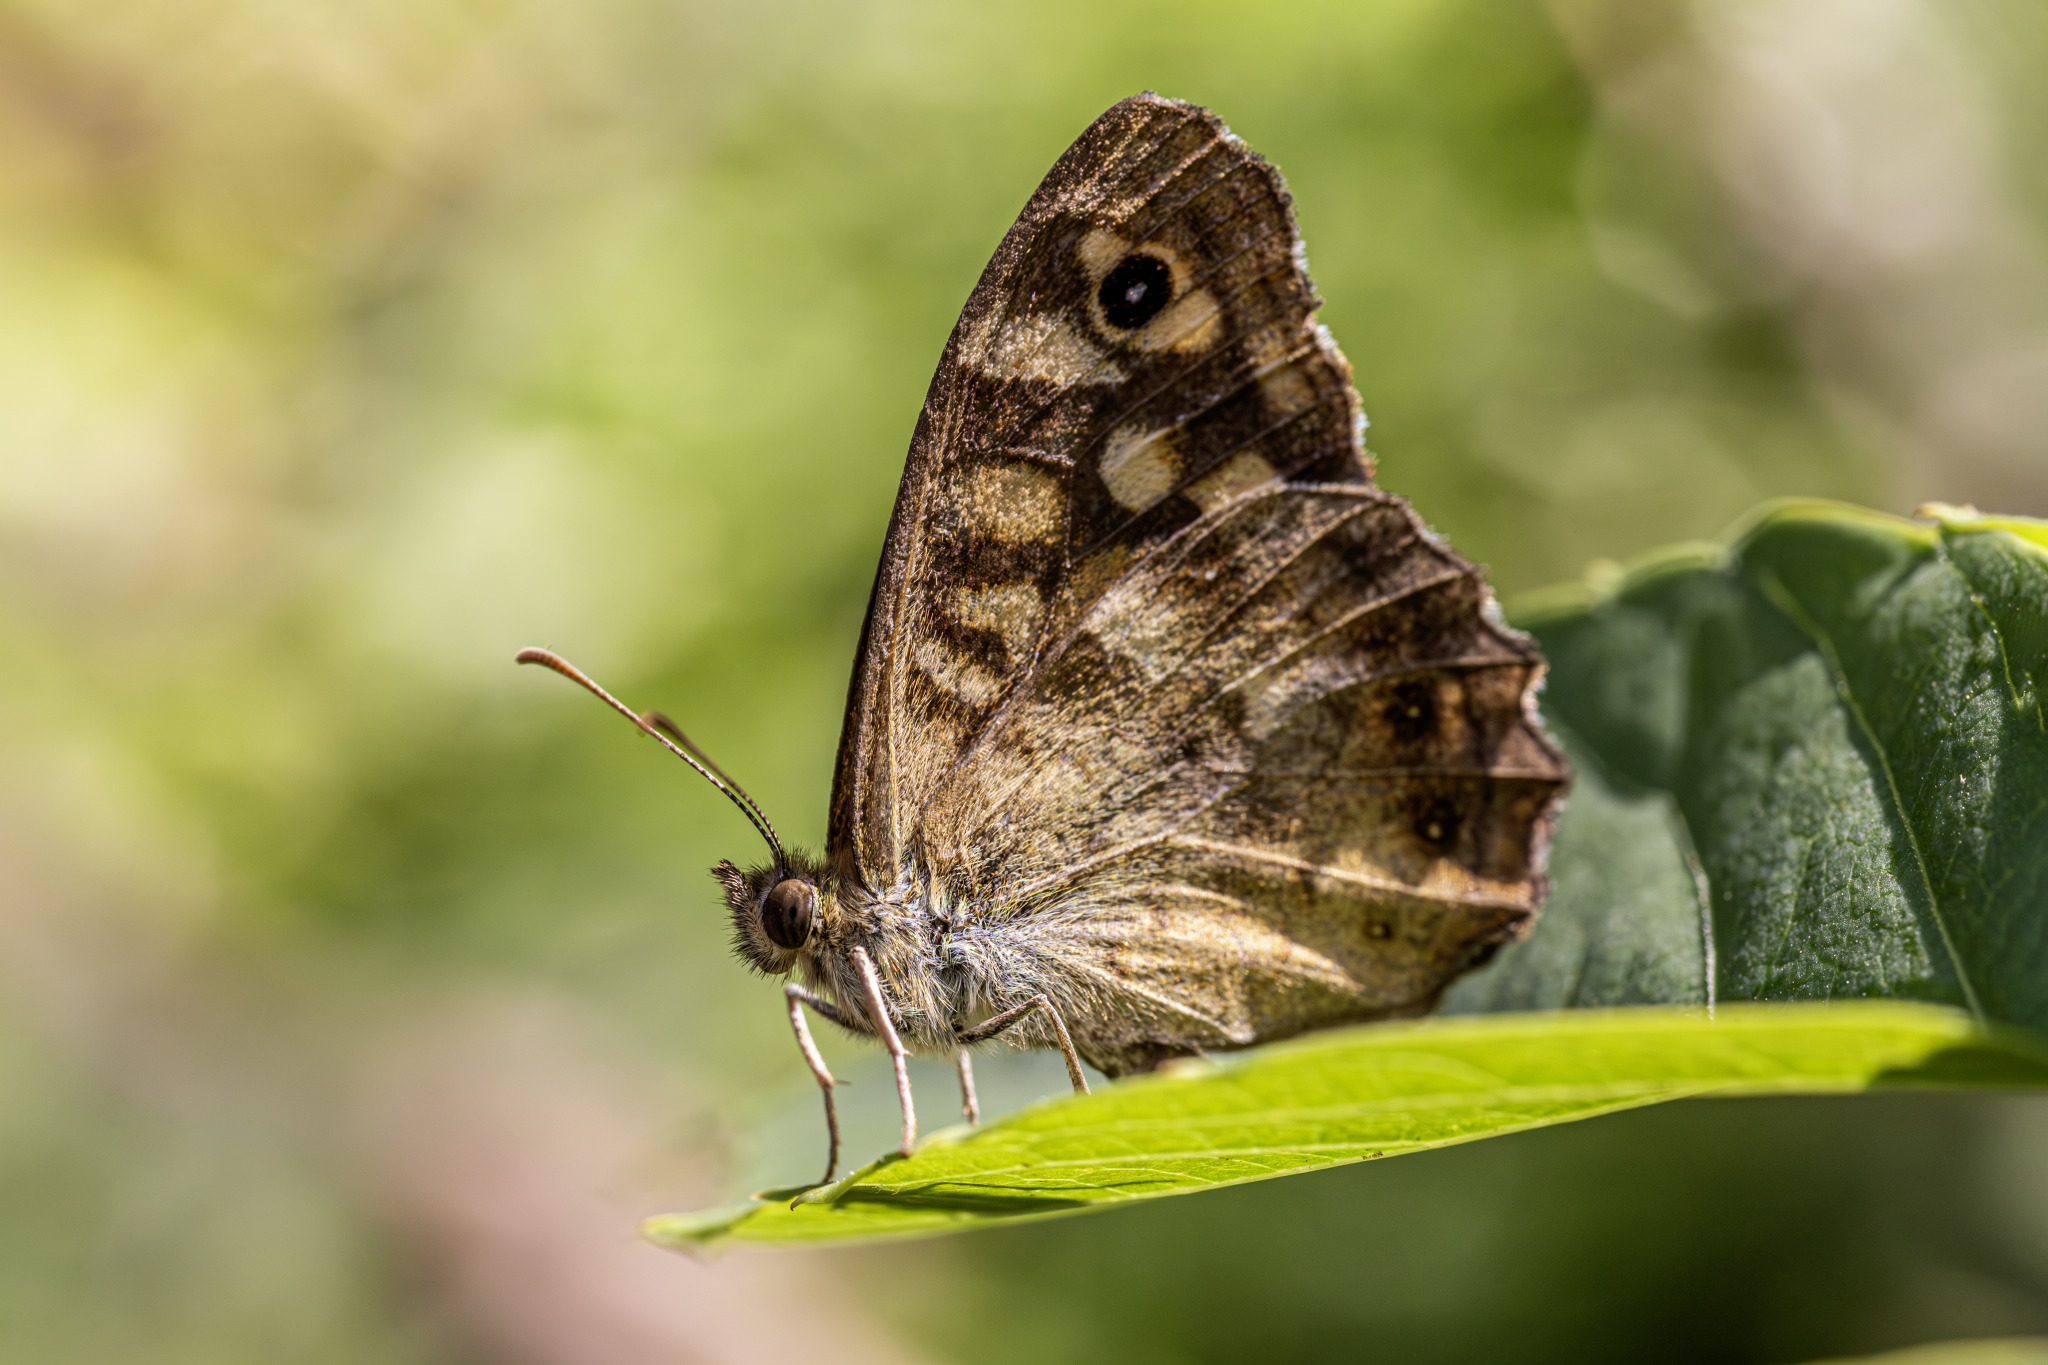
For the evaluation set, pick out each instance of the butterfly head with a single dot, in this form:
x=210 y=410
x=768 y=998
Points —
x=780 y=911
x=779 y=908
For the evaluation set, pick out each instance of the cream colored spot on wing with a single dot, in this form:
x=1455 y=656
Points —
x=968 y=682
x=1192 y=322
x=1139 y=466
x=1287 y=390
x=1100 y=250
x=1243 y=472
x=1142 y=622
x=1014 y=503
x=1048 y=348
x=1012 y=610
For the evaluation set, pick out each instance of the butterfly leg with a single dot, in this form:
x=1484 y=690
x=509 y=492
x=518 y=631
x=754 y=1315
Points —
x=990 y=1027
x=878 y=1012
x=969 y=1105
x=798 y=997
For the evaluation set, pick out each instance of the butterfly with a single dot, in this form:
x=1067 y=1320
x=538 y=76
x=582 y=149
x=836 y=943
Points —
x=1168 y=730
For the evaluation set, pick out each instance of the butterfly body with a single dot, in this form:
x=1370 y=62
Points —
x=1162 y=710
x=1168 y=730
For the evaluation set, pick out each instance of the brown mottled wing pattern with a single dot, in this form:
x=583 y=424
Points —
x=1218 y=741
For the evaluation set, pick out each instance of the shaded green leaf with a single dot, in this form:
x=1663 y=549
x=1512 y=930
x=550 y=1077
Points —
x=1839 y=719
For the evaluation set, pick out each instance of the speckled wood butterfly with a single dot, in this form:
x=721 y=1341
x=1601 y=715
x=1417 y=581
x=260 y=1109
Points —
x=1168 y=730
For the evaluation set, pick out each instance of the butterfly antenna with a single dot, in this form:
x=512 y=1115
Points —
x=654 y=725
x=675 y=732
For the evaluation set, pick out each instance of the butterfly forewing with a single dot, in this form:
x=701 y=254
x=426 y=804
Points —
x=1203 y=729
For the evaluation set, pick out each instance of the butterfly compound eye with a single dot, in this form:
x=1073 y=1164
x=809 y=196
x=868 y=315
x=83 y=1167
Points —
x=1134 y=292
x=787 y=912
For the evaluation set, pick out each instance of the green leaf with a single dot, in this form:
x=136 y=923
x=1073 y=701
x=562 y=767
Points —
x=1835 y=726
x=1353 y=1094
x=1811 y=765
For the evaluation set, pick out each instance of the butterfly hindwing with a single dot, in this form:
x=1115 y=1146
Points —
x=1218 y=741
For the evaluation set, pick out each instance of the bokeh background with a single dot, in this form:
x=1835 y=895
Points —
x=359 y=991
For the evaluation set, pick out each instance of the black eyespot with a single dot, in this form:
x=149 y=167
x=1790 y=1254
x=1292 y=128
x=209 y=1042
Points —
x=1134 y=292
x=787 y=912
x=1411 y=711
x=1437 y=826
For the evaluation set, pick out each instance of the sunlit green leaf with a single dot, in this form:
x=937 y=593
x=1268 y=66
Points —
x=1355 y=1094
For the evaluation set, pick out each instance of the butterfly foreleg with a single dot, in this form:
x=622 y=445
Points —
x=798 y=997
x=878 y=1013
x=995 y=1024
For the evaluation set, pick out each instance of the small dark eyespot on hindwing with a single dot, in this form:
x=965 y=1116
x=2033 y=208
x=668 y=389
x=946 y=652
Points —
x=787 y=911
x=1411 y=711
x=1133 y=293
x=1437 y=825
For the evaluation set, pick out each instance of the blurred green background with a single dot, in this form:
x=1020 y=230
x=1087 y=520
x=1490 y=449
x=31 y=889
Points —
x=359 y=991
